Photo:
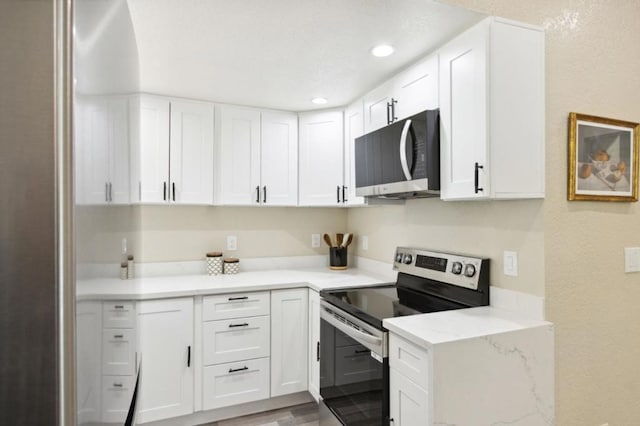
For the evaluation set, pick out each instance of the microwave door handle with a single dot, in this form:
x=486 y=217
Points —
x=403 y=150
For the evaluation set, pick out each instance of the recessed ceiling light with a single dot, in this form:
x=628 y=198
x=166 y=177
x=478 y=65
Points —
x=382 y=50
x=319 y=101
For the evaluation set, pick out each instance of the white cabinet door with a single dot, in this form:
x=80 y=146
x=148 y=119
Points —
x=151 y=150
x=93 y=147
x=279 y=159
x=289 y=342
x=191 y=155
x=416 y=89
x=463 y=115
x=408 y=403
x=353 y=128
x=321 y=158
x=239 y=156
x=165 y=342
x=88 y=344
x=314 y=344
x=119 y=147
x=376 y=107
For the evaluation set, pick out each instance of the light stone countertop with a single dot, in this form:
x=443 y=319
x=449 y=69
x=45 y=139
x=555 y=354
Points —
x=316 y=278
x=435 y=328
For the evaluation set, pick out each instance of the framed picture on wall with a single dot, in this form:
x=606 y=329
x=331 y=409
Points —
x=603 y=158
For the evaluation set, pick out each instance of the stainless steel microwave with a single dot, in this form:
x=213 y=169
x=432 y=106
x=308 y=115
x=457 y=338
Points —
x=401 y=160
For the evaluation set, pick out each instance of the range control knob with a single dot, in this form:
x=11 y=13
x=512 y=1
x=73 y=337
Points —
x=399 y=257
x=456 y=268
x=469 y=270
x=407 y=259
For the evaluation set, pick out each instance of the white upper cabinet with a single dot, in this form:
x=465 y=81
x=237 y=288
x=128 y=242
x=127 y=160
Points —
x=102 y=150
x=173 y=153
x=353 y=128
x=492 y=112
x=279 y=159
x=377 y=107
x=321 y=178
x=413 y=90
x=416 y=89
x=257 y=157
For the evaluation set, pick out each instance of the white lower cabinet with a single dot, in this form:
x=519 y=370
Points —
x=165 y=342
x=289 y=342
x=116 y=397
x=234 y=339
x=408 y=402
x=314 y=344
x=235 y=383
x=408 y=381
x=88 y=352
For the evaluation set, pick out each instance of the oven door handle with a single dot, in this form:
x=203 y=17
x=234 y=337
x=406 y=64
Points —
x=350 y=331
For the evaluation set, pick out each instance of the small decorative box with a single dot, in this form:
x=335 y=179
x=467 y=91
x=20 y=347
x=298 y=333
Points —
x=231 y=265
x=214 y=263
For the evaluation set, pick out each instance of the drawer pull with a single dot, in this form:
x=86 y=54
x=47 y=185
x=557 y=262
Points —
x=118 y=336
x=189 y=356
x=118 y=307
x=117 y=385
x=235 y=370
x=238 y=298
x=362 y=351
x=238 y=325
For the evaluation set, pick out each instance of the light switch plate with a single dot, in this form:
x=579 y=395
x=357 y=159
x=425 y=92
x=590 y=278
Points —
x=365 y=242
x=315 y=240
x=632 y=259
x=232 y=242
x=511 y=263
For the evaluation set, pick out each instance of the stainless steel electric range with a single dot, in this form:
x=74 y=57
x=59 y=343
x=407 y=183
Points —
x=354 y=366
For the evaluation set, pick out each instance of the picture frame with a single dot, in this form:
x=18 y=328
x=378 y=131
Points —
x=603 y=159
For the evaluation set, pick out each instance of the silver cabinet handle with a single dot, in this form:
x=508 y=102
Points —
x=106 y=192
x=110 y=192
x=403 y=150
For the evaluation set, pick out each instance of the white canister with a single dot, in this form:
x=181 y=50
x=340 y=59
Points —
x=130 y=267
x=214 y=263
x=231 y=265
x=123 y=271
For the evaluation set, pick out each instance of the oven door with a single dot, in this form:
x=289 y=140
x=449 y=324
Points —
x=354 y=370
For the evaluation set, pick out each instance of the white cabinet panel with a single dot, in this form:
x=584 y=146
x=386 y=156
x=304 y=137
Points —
x=165 y=342
x=279 y=159
x=235 y=383
x=321 y=158
x=118 y=314
x=239 y=158
x=191 y=155
x=118 y=352
x=117 y=392
x=409 y=359
x=289 y=328
x=353 y=128
x=377 y=112
x=314 y=344
x=408 y=403
x=236 y=305
x=235 y=339
x=88 y=354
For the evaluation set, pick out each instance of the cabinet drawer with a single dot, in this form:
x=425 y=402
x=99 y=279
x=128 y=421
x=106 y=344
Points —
x=235 y=306
x=235 y=339
x=409 y=359
x=355 y=364
x=118 y=352
x=117 y=392
x=118 y=315
x=235 y=383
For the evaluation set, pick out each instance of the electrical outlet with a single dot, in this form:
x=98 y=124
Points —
x=632 y=259
x=511 y=263
x=365 y=242
x=232 y=242
x=124 y=246
x=315 y=240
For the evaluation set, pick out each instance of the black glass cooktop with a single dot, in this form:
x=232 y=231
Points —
x=373 y=304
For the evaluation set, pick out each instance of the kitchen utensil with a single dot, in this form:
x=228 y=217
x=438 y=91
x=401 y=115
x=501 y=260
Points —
x=348 y=241
x=327 y=239
x=344 y=239
x=339 y=239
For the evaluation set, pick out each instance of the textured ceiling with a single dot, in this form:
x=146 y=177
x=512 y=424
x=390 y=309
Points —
x=281 y=53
